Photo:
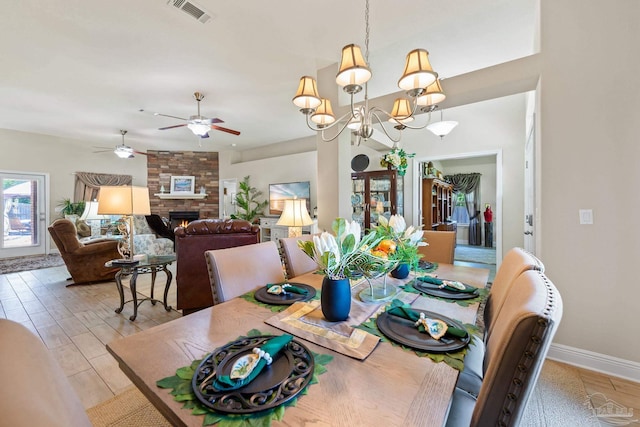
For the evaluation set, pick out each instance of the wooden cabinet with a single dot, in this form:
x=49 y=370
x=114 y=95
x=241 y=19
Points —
x=376 y=193
x=437 y=205
x=270 y=231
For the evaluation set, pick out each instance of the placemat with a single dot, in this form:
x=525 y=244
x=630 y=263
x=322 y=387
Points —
x=305 y=320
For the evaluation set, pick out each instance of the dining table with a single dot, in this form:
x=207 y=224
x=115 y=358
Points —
x=389 y=386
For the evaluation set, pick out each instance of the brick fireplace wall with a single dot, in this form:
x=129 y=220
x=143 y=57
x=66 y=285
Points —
x=161 y=165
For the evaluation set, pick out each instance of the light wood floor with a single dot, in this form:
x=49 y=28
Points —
x=76 y=322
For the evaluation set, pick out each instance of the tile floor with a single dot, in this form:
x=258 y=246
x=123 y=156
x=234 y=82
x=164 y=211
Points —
x=76 y=322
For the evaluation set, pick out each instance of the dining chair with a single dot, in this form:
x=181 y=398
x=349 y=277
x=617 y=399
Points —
x=514 y=263
x=516 y=350
x=296 y=262
x=441 y=246
x=235 y=271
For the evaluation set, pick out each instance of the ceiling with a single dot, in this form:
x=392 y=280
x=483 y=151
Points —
x=84 y=69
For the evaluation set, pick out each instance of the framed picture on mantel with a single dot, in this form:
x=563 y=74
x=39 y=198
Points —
x=183 y=184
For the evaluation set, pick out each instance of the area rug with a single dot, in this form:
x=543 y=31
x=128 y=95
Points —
x=478 y=254
x=32 y=262
x=557 y=401
x=129 y=408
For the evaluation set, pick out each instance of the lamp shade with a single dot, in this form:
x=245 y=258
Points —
x=91 y=212
x=433 y=95
x=295 y=213
x=401 y=112
x=353 y=68
x=123 y=200
x=442 y=128
x=418 y=73
x=324 y=113
x=307 y=96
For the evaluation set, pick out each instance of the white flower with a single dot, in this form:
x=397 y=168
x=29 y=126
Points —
x=397 y=223
x=353 y=228
x=325 y=243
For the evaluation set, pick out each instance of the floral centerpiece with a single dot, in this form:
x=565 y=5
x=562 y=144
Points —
x=396 y=159
x=399 y=241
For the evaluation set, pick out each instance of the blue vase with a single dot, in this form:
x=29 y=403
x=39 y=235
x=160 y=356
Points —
x=401 y=271
x=335 y=299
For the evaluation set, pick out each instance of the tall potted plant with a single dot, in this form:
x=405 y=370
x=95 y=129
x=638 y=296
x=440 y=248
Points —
x=248 y=203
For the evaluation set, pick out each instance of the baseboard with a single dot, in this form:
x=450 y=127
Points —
x=609 y=365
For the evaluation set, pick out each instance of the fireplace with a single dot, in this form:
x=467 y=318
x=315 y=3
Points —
x=182 y=218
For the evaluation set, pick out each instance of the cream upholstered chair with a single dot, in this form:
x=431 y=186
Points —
x=234 y=271
x=36 y=391
x=516 y=350
x=296 y=262
x=514 y=263
x=145 y=240
x=441 y=246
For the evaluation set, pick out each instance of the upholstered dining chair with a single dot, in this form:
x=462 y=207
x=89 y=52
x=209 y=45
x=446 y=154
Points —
x=441 y=246
x=85 y=262
x=296 y=262
x=234 y=271
x=516 y=350
x=514 y=263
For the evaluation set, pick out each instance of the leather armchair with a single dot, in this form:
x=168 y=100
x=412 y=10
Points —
x=85 y=262
x=192 y=241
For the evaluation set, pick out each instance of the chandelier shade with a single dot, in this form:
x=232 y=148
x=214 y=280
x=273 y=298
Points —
x=443 y=127
x=401 y=112
x=324 y=114
x=418 y=73
x=307 y=97
x=432 y=96
x=353 y=71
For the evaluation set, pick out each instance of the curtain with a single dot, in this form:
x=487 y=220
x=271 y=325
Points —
x=88 y=184
x=469 y=184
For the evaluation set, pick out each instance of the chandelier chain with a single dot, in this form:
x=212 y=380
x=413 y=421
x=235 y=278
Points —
x=366 y=33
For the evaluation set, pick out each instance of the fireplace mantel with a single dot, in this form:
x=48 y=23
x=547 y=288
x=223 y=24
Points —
x=180 y=196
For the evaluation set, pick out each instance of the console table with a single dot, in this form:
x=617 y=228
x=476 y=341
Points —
x=152 y=265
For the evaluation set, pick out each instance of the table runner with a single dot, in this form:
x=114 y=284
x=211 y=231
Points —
x=305 y=320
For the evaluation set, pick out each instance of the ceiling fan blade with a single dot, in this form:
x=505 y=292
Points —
x=171 y=127
x=217 y=120
x=139 y=152
x=166 y=115
x=231 y=131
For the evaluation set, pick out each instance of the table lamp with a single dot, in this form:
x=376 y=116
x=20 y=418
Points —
x=295 y=216
x=126 y=201
x=91 y=217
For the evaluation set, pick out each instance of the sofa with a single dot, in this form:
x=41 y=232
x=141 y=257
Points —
x=146 y=241
x=192 y=276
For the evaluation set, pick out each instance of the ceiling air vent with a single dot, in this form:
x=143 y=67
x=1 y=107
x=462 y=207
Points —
x=191 y=9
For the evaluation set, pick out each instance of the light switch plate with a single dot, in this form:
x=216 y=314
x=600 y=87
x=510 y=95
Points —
x=586 y=216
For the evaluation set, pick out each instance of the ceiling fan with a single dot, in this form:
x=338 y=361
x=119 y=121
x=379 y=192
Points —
x=198 y=124
x=123 y=151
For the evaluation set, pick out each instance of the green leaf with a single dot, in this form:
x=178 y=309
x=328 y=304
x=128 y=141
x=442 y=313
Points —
x=169 y=382
x=254 y=333
x=186 y=373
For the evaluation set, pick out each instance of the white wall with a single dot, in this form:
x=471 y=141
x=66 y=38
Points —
x=262 y=172
x=589 y=160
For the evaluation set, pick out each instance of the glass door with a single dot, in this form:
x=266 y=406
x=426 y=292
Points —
x=24 y=214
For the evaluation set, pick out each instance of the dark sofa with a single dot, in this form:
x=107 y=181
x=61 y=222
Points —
x=192 y=276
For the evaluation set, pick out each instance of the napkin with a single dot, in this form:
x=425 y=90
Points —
x=287 y=287
x=407 y=313
x=265 y=355
x=447 y=284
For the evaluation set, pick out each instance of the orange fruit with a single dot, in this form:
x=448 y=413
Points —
x=387 y=245
x=379 y=254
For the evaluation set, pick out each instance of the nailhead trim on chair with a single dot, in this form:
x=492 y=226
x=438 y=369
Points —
x=542 y=328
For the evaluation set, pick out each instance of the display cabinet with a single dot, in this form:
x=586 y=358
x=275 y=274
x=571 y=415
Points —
x=437 y=205
x=376 y=193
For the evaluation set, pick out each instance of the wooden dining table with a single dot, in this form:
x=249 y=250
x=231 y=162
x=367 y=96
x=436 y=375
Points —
x=390 y=387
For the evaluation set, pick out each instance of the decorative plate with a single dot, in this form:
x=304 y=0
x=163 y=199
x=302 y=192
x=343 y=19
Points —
x=359 y=162
x=290 y=372
x=403 y=331
x=284 y=299
x=434 y=291
x=356 y=199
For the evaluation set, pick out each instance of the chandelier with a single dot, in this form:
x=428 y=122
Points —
x=419 y=81
x=443 y=127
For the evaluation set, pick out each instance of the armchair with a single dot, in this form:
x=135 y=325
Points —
x=145 y=240
x=85 y=262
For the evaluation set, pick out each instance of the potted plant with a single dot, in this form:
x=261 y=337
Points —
x=401 y=243
x=71 y=210
x=247 y=201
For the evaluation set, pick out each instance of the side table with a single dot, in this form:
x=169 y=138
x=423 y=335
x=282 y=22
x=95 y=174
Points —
x=152 y=265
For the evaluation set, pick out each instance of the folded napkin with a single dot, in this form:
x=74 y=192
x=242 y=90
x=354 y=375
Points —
x=449 y=285
x=247 y=368
x=434 y=327
x=284 y=288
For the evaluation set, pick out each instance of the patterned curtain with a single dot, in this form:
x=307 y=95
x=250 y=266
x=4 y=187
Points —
x=469 y=184
x=88 y=184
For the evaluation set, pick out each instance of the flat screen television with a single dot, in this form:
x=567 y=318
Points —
x=278 y=193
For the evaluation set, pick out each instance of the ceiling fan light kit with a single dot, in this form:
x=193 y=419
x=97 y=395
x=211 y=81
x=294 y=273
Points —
x=419 y=81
